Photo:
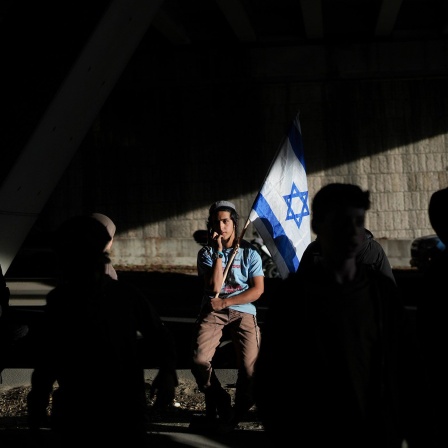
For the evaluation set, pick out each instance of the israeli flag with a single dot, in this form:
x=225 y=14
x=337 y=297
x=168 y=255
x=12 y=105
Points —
x=281 y=212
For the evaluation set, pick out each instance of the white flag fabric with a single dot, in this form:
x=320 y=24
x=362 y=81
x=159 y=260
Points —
x=281 y=212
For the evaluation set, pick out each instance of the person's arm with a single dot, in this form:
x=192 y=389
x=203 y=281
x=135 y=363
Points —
x=211 y=271
x=251 y=294
x=310 y=256
x=382 y=263
x=214 y=277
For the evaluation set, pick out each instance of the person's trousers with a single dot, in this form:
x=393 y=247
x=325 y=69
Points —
x=246 y=337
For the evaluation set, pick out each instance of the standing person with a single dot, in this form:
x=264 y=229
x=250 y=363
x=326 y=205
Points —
x=111 y=229
x=227 y=302
x=432 y=330
x=90 y=348
x=346 y=335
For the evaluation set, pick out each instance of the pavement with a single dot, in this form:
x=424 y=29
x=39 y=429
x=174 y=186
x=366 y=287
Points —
x=162 y=439
x=167 y=433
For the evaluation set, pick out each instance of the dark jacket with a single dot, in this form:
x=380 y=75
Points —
x=91 y=347
x=346 y=342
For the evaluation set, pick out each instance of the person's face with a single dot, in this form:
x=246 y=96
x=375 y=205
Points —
x=223 y=225
x=341 y=233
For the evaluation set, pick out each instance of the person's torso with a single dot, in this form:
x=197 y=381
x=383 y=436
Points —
x=245 y=265
x=347 y=331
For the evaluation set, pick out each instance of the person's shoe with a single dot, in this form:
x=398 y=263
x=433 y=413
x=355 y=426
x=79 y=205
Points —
x=225 y=427
x=224 y=405
x=203 y=424
x=211 y=410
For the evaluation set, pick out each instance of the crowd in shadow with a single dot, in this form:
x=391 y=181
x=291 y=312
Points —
x=87 y=363
x=365 y=375
x=337 y=363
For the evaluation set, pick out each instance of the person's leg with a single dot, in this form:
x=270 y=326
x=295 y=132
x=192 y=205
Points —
x=206 y=340
x=247 y=336
x=218 y=402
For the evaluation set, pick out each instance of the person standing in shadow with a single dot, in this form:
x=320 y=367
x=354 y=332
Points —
x=432 y=327
x=343 y=323
x=88 y=363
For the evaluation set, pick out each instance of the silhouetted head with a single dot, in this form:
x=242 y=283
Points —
x=79 y=243
x=332 y=197
x=107 y=222
x=338 y=217
x=438 y=214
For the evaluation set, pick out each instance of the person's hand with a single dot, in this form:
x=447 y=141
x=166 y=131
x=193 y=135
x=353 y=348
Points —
x=163 y=388
x=218 y=241
x=216 y=304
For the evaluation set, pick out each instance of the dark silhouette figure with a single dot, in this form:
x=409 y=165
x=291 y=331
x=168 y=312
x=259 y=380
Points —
x=227 y=304
x=432 y=328
x=88 y=361
x=370 y=252
x=12 y=330
x=342 y=322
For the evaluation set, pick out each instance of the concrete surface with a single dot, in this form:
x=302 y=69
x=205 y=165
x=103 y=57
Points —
x=22 y=377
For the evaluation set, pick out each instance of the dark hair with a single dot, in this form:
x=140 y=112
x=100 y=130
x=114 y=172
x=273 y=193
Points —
x=336 y=195
x=83 y=234
x=437 y=212
x=81 y=241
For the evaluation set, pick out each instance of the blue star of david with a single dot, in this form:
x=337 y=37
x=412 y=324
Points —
x=303 y=196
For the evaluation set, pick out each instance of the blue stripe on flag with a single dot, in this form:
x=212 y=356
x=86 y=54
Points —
x=277 y=233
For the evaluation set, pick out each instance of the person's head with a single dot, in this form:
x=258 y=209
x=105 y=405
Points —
x=338 y=218
x=223 y=219
x=109 y=224
x=437 y=212
x=80 y=243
